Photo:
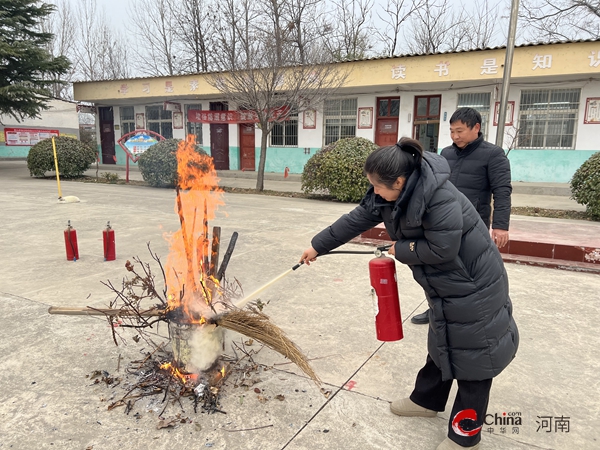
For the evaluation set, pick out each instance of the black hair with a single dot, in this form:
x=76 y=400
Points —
x=400 y=160
x=469 y=116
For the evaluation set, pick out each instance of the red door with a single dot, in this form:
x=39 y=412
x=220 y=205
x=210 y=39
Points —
x=247 y=148
x=219 y=145
x=386 y=125
x=107 y=135
x=219 y=139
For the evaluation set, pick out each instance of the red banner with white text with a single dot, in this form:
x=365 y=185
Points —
x=202 y=116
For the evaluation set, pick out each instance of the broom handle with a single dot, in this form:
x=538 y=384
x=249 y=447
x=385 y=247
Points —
x=87 y=311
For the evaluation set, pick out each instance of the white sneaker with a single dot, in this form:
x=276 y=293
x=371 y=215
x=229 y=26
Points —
x=406 y=407
x=449 y=444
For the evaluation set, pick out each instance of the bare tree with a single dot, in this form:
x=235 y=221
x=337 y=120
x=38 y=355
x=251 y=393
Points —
x=306 y=25
x=350 y=29
x=159 y=51
x=61 y=24
x=194 y=22
x=483 y=22
x=98 y=51
x=255 y=77
x=395 y=14
x=435 y=27
x=561 y=19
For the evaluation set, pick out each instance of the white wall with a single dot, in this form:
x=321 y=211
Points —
x=60 y=115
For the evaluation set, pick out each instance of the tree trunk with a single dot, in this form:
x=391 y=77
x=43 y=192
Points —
x=260 y=179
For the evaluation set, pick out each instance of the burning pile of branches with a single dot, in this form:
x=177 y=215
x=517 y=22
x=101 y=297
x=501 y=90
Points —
x=196 y=302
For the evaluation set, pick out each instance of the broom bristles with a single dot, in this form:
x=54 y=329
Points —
x=258 y=326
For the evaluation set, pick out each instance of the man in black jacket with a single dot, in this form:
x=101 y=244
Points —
x=479 y=170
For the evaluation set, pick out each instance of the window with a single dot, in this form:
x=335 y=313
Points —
x=127 y=120
x=427 y=107
x=479 y=102
x=339 y=119
x=548 y=118
x=159 y=121
x=285 y=134
x=194 y=127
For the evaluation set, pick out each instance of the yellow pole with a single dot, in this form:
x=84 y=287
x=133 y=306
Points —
x=56 y=166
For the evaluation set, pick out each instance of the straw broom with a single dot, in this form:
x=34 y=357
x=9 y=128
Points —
x=257 y=325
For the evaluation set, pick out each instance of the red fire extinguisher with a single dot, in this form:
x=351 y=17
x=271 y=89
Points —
x=384 y=284
x=108 y=236
x=71 y=243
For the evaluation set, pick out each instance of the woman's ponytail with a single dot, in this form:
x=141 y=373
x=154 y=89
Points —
x=399 y=160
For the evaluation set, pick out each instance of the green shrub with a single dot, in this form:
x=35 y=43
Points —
x=158 y=164
x=339 y=169
x=585 y=186
x=74 y=157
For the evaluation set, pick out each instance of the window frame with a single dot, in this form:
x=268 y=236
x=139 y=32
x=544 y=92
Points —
x=342 y=116
x=541 y=114
x=127 y=124
x=485 y=113
x=291 y=122
x=164 y=118
x=194 y=127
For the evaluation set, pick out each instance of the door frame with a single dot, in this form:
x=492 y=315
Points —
x=387 y=118
x=107 y=139
x=241 y=127
x=219 y=106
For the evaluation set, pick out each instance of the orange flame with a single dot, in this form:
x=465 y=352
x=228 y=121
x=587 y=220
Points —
x=177 y=374
x=190 y=285
x=223 y=371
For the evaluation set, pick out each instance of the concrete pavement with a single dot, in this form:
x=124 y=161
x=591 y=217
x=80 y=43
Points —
x=326 y=309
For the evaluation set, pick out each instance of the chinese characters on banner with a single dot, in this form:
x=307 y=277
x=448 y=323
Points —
x=201 y=116
x=27 y=136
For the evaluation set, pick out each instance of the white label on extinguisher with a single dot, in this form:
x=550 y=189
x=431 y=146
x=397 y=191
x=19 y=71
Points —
x=375 y=301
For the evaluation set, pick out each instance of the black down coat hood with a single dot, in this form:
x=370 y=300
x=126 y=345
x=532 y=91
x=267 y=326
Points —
x=441 y=237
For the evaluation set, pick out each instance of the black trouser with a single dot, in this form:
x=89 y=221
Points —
x=470 y=405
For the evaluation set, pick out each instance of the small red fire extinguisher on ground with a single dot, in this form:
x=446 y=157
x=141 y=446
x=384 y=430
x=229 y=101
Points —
x=384 y=284
x=108 y=237
x=71 y=243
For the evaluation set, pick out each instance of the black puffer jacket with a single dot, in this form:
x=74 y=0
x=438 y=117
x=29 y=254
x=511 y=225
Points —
x=440 y=236
x=478 y=171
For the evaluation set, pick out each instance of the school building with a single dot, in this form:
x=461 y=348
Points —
x=552 y=125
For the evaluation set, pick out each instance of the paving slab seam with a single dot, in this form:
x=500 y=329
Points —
x=332 y=396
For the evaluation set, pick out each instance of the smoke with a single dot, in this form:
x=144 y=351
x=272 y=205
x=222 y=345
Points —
x=206 y=345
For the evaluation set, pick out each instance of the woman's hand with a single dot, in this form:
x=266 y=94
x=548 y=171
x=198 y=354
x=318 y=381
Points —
x=392 y=249
x=309 y=255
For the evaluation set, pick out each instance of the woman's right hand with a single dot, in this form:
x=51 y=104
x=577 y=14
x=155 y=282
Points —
x=309 y=255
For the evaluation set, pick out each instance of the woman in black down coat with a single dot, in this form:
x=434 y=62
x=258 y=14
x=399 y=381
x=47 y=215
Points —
x=438 y=233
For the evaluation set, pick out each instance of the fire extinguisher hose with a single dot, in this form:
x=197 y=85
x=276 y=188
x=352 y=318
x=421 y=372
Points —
x=378 y=252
